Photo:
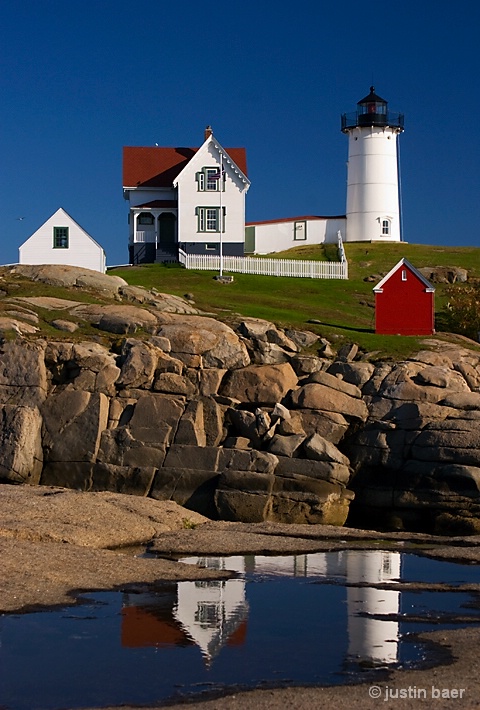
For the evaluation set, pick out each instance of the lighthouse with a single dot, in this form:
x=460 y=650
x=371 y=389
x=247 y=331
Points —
x=373 y=205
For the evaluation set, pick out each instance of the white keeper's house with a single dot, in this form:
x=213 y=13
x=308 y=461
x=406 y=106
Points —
x=185 y=198
x=61 y=240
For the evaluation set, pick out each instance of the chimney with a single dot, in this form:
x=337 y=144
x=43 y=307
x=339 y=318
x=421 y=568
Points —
x=208 y=132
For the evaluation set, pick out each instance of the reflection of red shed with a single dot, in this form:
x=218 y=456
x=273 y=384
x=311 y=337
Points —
x=404 y=302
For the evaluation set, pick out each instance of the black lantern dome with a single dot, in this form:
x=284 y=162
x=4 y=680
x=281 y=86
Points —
x=372 y=111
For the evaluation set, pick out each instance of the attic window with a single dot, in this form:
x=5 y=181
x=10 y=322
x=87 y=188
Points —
x=210 y=180
x=60 y=237
x=404 y=274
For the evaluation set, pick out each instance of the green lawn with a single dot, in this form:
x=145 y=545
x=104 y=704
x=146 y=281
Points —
x=344 y=308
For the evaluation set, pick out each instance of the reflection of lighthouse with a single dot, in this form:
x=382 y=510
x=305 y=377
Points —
x=211 y=611
x=372 y=640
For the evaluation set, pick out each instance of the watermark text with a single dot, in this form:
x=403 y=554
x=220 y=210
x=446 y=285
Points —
x=412 y=692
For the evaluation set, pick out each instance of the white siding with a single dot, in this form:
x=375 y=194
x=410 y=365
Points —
x=189 y=198
x=82 y=249
x=372 y=185
x=279 y=236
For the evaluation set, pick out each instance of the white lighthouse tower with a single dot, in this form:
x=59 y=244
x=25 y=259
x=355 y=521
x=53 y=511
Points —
x=373 y=212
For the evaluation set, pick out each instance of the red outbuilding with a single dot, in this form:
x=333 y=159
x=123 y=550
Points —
x=404 y=302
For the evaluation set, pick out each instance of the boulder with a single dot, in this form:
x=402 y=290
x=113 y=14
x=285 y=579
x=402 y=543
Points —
x=319 y=449
x=191 y=427
x=73 y=422
x=301 y=338
x=244 y=496
x=261 y=384
x=286 y=445
x=218 y=344
x=155 y=419
x=357 y=373
x=118 y=447
x=171 y=383
x=66 y=326
x=23 y=375
x=317 y=396
x=251 y=460
x=63 y=275
x=331 y=425
x=117 y=319
x=331 y=471
x=438 y=376
x=8 y=323
x=139 y=363
x=292 y=501
x=269 y=354
x=90 y=367
x=191 y=488
x=336 y=383
x=21 y=444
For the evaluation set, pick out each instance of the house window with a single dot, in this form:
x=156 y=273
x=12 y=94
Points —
x=60 y=237
x=210 y=180
x=385 y=227
x=299 y=231
x=208 y=219
x=210 y=246
x=145 y=218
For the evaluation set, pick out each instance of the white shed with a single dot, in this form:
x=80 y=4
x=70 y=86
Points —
x=61 y=240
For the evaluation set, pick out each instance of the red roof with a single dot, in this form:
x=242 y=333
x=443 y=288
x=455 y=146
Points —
x=158 y=167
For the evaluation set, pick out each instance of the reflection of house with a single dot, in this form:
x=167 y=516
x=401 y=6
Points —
x=208 y=613
x=211 y=612
x=60 y=240
x=188 y=198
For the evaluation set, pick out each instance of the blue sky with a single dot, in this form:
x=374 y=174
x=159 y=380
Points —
x=79 y=81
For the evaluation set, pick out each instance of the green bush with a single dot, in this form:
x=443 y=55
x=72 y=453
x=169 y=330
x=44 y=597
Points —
x=461 y=312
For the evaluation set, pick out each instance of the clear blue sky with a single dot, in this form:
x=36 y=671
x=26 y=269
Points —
x=81 y=80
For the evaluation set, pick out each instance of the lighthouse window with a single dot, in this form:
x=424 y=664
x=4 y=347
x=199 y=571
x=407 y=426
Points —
x=385 y=227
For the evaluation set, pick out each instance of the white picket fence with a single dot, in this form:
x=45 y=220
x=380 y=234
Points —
x=266 y=266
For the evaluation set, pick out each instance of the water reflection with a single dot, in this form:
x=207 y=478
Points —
x=213 y=614
x=305 y=619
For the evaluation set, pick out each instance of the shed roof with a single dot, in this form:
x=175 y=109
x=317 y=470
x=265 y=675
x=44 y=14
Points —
x=406 y=264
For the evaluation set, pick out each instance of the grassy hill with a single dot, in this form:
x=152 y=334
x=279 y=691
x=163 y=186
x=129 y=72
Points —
x=344 y=309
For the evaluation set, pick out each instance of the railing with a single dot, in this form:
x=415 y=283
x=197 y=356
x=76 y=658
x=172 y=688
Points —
x=390 y=118
x=144 y=236
x=266 y=266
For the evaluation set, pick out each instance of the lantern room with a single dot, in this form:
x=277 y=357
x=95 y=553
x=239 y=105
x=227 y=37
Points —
x=372 y=111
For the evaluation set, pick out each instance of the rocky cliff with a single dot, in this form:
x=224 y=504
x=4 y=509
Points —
x=240 y=422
